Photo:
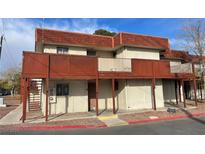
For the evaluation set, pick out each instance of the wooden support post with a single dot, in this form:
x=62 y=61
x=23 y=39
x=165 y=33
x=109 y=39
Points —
x=180 y=98
x=201 y=90
x=201 y=87
x=195 y=97
x=113 y=95
x=24 y=99
x=176 y=94
x=153 y=94
x=47 y=98
x=194 y=83
x=28 y=92
x=97 y=93
x=184 y=98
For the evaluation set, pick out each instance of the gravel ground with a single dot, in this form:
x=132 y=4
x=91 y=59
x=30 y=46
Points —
x=79 y=122
x=163 y=114
x=5 y=110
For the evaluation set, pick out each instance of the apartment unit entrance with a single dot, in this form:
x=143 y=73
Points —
x=91 y=96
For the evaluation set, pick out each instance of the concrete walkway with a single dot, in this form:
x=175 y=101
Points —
x=12 y=117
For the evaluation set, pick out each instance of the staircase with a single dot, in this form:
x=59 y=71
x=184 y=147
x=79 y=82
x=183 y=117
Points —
x=34 y=100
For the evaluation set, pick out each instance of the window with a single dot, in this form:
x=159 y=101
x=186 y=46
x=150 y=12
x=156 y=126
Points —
x=91 y=53
x=62 y=89
x=61 y=50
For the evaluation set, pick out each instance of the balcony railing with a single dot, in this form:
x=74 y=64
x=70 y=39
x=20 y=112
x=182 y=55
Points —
x=114 y=65
x=181 y=68
x=54 y=66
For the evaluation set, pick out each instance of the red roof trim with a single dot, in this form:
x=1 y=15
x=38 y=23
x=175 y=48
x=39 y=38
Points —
x=74 y=38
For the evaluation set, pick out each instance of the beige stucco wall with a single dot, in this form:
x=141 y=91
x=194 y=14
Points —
x=139 y=94
x=129 y=52
x=169 y=91
x=174 y=62
x=198 y=92
x=105 y=94
x=71 y=50
x=76 y=101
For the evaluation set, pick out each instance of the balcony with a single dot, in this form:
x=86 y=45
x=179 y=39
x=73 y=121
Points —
x=56 y=66
x=114 y=65
x=181 y=68
x=42 y=65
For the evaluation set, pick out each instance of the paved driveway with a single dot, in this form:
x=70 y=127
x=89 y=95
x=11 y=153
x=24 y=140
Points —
x=186 y=126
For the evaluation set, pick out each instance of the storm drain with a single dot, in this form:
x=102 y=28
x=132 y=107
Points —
x=112 y=121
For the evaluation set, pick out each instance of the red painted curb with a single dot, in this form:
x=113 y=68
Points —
x=50 y=127
x=47 y=127
x=164 y=119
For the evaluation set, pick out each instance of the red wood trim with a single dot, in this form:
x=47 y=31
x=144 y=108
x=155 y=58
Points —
x=153 y=93
x=180 y=99
x=47 y=88
x=25 y=88
x=120 y=38
x=97 y=95
x=184 y=98
x=194 y=84
x=201 y=94
x=113 y=95
x=176 y=94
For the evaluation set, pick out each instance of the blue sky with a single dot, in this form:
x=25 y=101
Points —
x=20 y=34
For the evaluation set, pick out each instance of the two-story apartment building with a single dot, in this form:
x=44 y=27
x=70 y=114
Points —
x=74 y=72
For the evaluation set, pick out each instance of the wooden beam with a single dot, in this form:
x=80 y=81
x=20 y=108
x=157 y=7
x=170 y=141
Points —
x=180 y=98
x=184 y=98
x=97 y=94
x=195 y=97
x=194 y=83
x=47 y=98
x=153 y=94
x=24 y=99
x=201 y=87
x=113 y=95
x=176 y=94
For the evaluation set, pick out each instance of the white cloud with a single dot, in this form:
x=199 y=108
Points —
x=20 y=35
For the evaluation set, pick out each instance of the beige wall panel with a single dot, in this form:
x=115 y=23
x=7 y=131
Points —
x=159 y=94
x=138 y=94
x=169 y=90
x=71 y=50
x=76 y=101
x=138 y=53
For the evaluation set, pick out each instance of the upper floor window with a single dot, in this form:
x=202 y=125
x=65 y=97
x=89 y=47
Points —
x=91 y=53
x=62 y=50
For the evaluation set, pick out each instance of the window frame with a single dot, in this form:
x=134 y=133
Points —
x=62 y=50
x=63 y=87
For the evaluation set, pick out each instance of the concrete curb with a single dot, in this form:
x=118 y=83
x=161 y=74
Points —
x=47 y=127
x=50 y=127
x=165 y=119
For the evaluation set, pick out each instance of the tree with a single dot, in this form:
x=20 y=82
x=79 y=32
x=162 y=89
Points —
x=193 y=39
x=193 y=35
x=10 y=80
x=104 y=32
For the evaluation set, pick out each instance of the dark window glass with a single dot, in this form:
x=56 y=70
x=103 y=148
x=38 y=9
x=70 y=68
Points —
x=61 y=50
x=91 y=53
x=62 y=89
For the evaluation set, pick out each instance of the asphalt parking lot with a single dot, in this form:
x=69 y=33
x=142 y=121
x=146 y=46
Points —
x=191 y=126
